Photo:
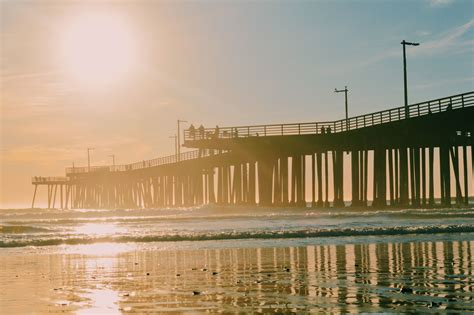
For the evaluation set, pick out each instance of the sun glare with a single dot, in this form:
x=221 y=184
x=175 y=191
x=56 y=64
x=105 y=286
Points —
x=97 y=49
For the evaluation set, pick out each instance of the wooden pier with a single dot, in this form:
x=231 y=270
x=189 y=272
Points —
x=404 y=157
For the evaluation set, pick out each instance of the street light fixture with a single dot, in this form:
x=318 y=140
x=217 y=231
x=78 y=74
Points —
x=347 y=112
x=89 y=159
x=404 y=43
x=175 y=137
x=179 y=141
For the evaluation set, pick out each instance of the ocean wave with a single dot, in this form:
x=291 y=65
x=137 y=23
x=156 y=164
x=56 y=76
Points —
x=20 y=229
x=145 y=215
x=235 y=235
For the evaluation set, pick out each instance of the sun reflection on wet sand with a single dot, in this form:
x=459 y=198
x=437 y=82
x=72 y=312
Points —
x=99 y=249
x=102 y=301
x=111 y=278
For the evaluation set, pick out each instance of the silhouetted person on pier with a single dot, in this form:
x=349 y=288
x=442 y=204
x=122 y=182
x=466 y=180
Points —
x=201 y=131
x=450 y=107
x=192 y=132
x=323 y=131
x=216 y=132
x=329 y=130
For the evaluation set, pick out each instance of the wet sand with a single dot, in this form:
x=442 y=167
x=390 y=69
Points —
x=110 y=278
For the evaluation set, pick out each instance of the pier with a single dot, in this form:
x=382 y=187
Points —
x=404 y=156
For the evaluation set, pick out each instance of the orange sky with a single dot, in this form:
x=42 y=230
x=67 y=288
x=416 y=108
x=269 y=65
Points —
x=116 y=75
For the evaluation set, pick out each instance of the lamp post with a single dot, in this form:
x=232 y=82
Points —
x=113 y=159
x=347 y=111
x=175 y=137
x=404 y=43
x=179 y=142
x=89 y=159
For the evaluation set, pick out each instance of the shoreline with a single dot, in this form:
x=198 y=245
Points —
x=250 y=243
x=386 y=276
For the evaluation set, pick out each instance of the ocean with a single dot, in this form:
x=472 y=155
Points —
x=237 y=260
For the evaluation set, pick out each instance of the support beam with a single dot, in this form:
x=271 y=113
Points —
x=34 y=196
x=355 y=177
x=431 y=200
x=465 y=175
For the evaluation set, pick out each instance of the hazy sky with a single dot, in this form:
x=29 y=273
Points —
x=209 y=62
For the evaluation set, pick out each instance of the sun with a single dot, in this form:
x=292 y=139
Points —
x=97 y=48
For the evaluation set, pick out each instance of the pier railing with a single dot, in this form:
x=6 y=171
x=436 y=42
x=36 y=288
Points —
x=41 y=179
x=170 y=159
x=386 y=116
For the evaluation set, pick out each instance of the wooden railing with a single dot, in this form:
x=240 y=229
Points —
x=42 y=180
x=386 y=116
x=396 y=114
x=190 y=155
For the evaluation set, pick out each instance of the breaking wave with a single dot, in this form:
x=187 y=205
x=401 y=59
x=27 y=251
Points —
x=236 y=235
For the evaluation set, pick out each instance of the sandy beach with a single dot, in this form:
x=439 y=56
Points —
x=118 y=278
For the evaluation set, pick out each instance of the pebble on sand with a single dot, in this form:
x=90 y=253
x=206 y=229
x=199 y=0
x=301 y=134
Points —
x=406 y=290
x=196 y=292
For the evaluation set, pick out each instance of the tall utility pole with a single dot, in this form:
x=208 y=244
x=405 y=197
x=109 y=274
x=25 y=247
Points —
x=179 y=141
x=347 y=111
x=404 y=43
x=89 y=159
x=113 y=159
x=175 y=137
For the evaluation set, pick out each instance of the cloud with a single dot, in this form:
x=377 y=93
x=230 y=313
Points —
x=451 y=41
x=422 y=33
x=440 y=3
